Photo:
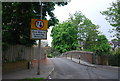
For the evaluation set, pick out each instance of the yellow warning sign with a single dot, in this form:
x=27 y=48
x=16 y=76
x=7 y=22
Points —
x=39 y=24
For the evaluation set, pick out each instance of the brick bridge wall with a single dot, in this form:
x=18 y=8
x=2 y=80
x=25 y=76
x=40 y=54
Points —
x=86 y=56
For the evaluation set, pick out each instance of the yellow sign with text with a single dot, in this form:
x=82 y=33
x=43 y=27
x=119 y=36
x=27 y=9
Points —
x=39 y=24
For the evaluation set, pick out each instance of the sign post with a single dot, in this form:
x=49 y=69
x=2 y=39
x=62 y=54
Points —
x=38 y=72
x=39 y=31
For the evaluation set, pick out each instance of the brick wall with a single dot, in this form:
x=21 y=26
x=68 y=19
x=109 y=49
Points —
x=11 y=67
x=86 y=56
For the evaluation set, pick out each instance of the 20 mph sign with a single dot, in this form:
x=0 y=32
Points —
x=39 y=24
x=38 y=29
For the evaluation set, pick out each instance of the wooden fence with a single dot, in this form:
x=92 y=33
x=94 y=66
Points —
x=21 y=52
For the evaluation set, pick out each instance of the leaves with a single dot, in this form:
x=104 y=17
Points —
x=102 y=45
x=87 y=31
x=76 y=28
x=64 y=37
x=17 y=18
x=113 y=16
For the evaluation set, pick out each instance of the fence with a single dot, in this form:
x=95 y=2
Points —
x=21 y=52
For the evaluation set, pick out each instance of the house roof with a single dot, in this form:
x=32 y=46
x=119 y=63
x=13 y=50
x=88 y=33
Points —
x=116 y=43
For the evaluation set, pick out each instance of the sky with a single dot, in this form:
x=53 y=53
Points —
x=90 y=8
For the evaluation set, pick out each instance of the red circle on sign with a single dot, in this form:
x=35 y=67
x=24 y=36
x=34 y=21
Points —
x=39 y=24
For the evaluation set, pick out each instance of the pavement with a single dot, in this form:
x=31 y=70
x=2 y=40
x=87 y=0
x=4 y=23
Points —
x=82 y=62
x=105 y=67
x=46 y=68
x=94 y=65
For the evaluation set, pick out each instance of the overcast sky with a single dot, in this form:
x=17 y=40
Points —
x=90 y=8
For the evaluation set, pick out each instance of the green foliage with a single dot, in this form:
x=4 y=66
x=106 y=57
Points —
x=114 y=58
x=49 y=55
x=115 y=40
x=76 y=28
x=102 y=46
x=17 y=18
x=90 y=34
x=117 y=51
x=113 y=16
x=87 y=31
x=64 y=37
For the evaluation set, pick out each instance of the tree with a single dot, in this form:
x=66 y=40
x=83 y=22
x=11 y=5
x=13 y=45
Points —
x=102 y=46
x=90 y=34
x=77 y=27
x=114 y=58
x=113 y=16
x=87 y=31
x=116 y=40
x=17 y=17
x=64 y=37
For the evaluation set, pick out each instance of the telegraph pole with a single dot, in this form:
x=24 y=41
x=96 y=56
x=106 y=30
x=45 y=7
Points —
x=39 y=57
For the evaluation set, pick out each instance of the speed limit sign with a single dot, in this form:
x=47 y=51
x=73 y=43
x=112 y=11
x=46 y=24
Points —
x=39 y=24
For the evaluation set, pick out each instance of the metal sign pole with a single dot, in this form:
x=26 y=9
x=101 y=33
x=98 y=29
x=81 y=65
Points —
x=39 y=57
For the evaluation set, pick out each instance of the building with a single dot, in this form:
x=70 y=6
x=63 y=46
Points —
x=114 y=44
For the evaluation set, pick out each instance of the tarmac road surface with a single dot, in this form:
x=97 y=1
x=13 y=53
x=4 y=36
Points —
x=67 y=69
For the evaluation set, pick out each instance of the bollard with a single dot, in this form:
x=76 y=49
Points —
x=29 y=65
x=79 y=59
x=71 y=57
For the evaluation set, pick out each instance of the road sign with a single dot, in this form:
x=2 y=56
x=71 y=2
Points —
x=38 y=34
x=39 y=24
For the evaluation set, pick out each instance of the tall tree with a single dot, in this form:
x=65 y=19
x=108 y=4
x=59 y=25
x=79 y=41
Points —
x=113 y=16
x=64 y=37
x=77 y=27
x=17 y=18
x=87 y=31
x=102 y=46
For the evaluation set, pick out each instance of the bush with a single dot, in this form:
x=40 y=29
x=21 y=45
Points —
x=114 y=58
x=49 y=55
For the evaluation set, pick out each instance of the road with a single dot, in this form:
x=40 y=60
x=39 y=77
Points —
x=67 y=69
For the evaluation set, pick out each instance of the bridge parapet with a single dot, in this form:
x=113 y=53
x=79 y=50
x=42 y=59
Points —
x=84 y=55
